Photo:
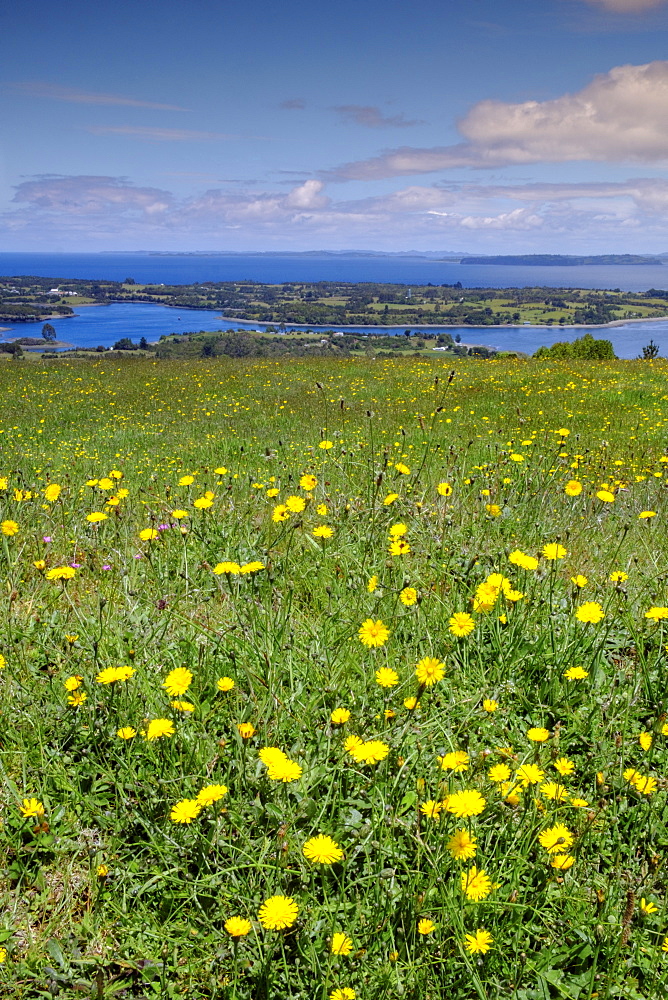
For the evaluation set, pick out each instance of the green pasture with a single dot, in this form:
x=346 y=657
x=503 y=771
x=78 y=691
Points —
x=415 y=611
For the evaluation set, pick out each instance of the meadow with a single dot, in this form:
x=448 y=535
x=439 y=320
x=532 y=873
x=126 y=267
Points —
x=338 y=680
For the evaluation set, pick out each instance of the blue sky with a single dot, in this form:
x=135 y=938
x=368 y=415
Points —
x=512 y=126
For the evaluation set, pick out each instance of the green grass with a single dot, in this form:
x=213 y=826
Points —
x=288 y=636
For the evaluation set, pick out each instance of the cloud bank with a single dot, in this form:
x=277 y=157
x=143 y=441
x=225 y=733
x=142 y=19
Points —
x=620 y=117
x=96 y=212
x=627 y=6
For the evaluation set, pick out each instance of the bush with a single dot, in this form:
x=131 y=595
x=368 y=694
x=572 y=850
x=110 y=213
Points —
x=584 y=348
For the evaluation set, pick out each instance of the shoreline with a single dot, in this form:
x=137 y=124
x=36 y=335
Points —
x=453 y=326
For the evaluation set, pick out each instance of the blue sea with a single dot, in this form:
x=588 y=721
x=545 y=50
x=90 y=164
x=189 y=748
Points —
x=104 y=325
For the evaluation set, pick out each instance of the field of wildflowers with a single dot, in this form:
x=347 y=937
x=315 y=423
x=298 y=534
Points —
x=334 y=680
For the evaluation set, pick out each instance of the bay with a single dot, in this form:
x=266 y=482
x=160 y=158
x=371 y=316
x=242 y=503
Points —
x=183 y=269
x=104 y=325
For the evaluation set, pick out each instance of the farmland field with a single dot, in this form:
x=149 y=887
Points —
x=334 y=679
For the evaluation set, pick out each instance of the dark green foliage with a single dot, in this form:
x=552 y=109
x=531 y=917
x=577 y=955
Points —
x=585 y=348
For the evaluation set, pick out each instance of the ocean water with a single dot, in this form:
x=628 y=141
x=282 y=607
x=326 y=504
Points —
x=95 y=325
x=183 y=269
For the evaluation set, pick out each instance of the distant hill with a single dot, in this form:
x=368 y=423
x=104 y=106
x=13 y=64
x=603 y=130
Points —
x=560 y=260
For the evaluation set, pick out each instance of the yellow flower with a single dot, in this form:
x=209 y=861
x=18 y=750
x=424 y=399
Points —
x=39 y=564
x=564 y=766
x=645 y=514
x=224 y=683
x=562 y=861
x=656 y=614
x=647 y=908
x=386 y=677
x=158 y=728
x=390 y=498
x=367 y=751
x=476 y=884
x=576 y=674
x=179 y=514
x=489 y=705
x=278 y=912
x=9 y=528
x=322 y=850
x=177 y=681
x=619 y=576
x=516 y=457
x=73 y=682
x=308 y=482
x=465 y=803
x=126 y=732
x=185 y=811
x=429 y=671
x=556 y=839
x=110 y=675
x=554 y=791
x=102 y=871
x=60 y=573
x=96 y=517
x=211 y=793
x=186 y=480
x=251 y=567
x=426 y=926
x=590 y=612
x=295 y=504
x=32 y=807
x=323 y=531
x=408 y=596
x=344 y=993
x=372 y=584
x=403 y=469
x=52 y=492
x=148 y=534
x=519 y=558
x=202 y=503
x=573 y=488
x=579 y=580
x=461 y=624
x=399 y=548
x=280 y=513
x=373 y=633
x=238 y=927
x=339 y=716
x=529 y=774
x=445 y=489
x=77 y=699
x=321 y=509
x=431 y=808
x=326 y=445
x=554 y=551
x=493 y=509
x=182 y=706
x=341 y=944
x=606 y=496
x=458 y=760
x=105 y=483
x=538 y=734
x=461 y=845
x=645 y=740
x=246 y=730
x=480 y=942
x=229 y=568
x=499 y=773
x=220 y=471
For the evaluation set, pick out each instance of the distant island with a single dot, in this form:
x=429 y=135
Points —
x=561 y=260
x=336 y=305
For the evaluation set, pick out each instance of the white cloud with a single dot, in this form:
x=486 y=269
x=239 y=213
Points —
x=163 y=134
x=627 y=6
x=620 y=116
x=372 y=117
x=53 y=91
x=91 y=212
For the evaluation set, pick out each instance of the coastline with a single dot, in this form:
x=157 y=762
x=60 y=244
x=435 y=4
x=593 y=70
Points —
x=456 y=326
